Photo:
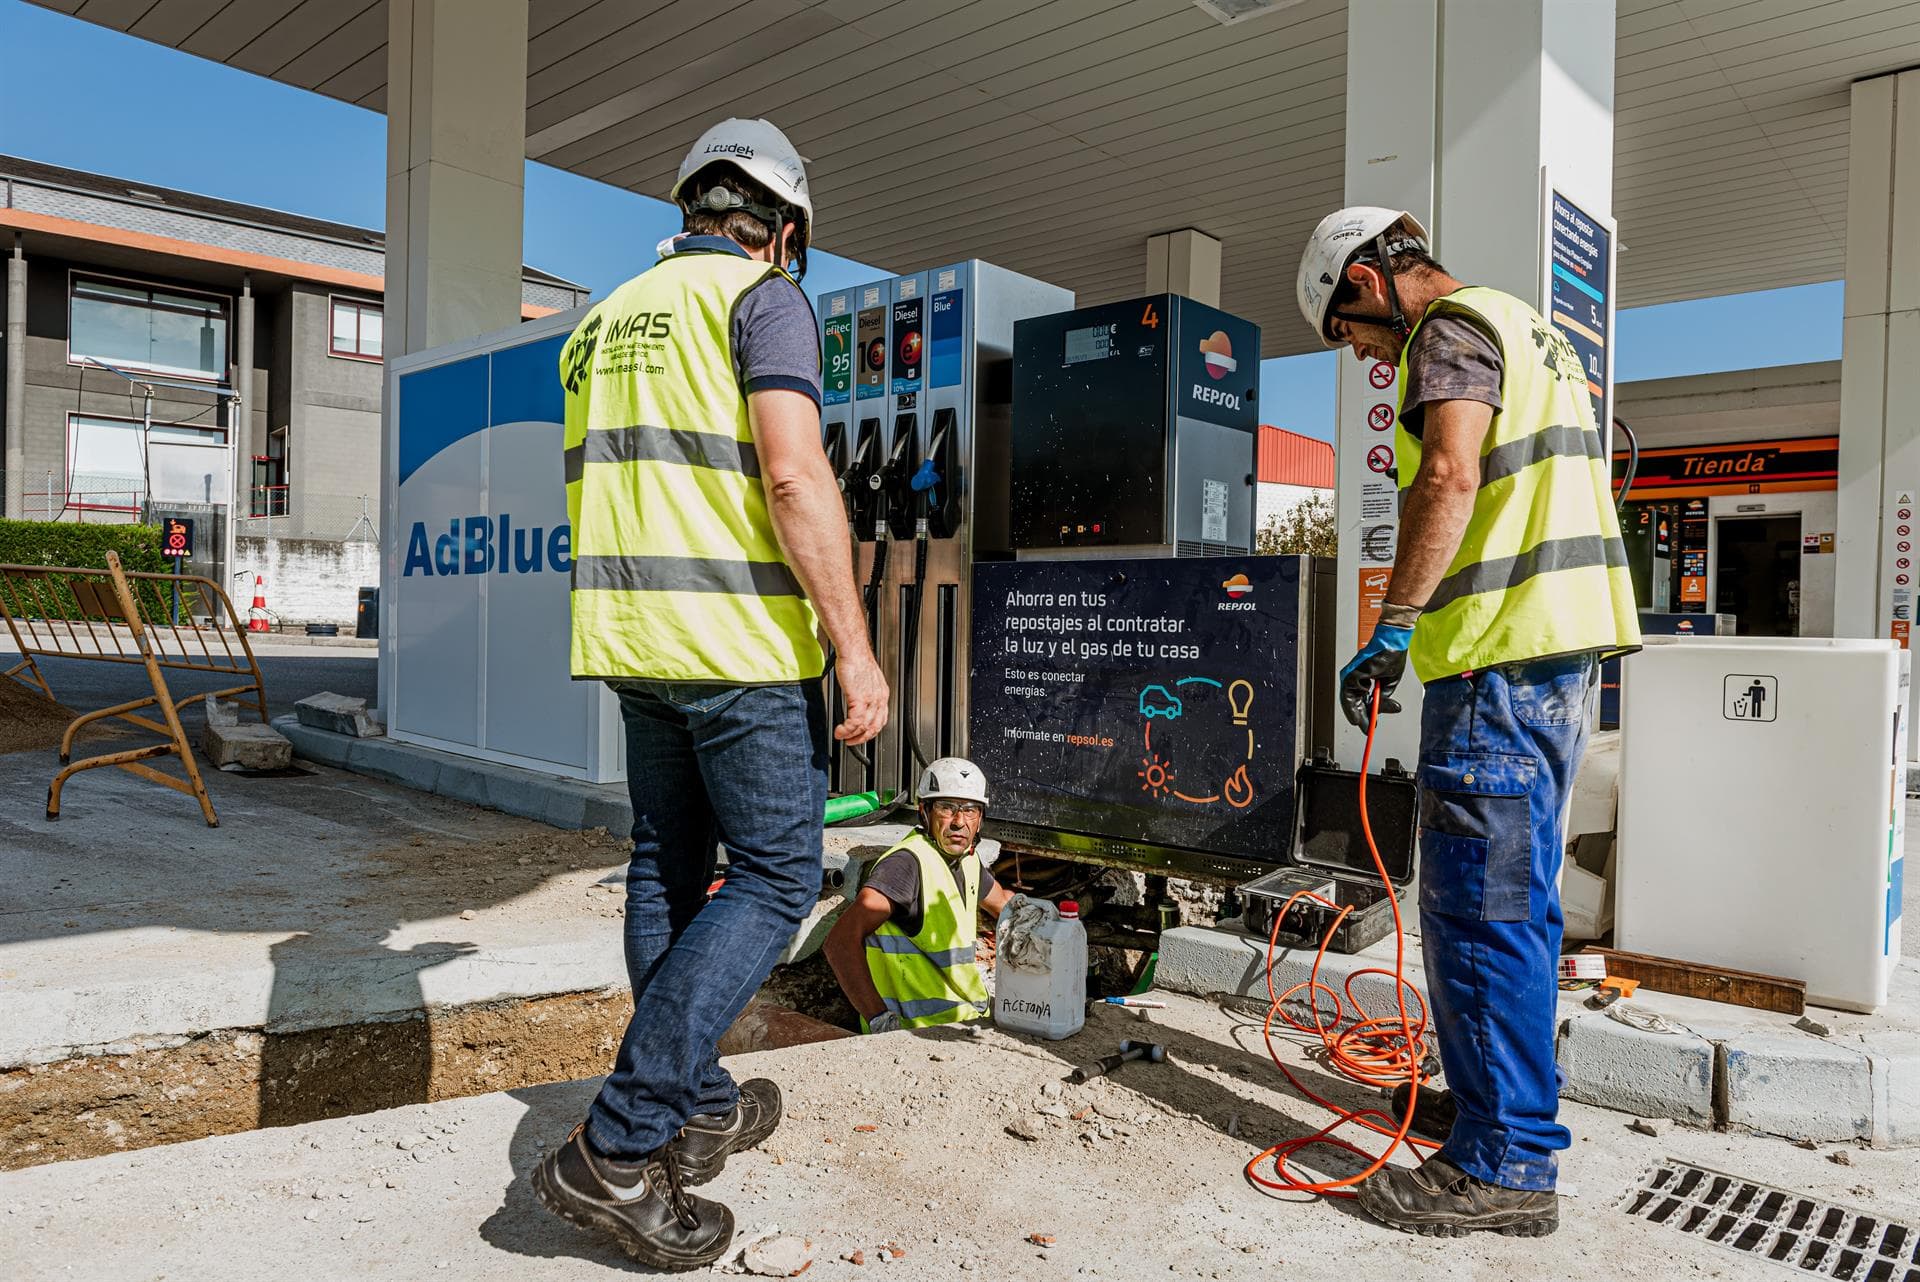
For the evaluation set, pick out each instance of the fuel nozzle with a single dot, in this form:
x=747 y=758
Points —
x=860 y=478
x=938 y=480
x=904 y=506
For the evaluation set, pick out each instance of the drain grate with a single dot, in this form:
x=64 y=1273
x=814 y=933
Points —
x=1814 y=1238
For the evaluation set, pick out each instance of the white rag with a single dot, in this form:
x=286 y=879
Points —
x=1020 y=943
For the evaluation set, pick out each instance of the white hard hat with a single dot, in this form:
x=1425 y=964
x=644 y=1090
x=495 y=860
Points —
x=1331 y=248
x=953 y=778
x=760 y=151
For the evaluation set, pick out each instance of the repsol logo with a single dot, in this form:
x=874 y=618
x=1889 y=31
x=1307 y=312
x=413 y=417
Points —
x=1233 y=605
x=488 y=545
x=1214 y=396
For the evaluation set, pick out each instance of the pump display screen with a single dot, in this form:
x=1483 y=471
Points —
x=1152 y=701
x=1094 y=343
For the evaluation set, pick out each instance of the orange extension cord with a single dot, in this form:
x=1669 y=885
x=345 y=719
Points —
x=1381 y=1052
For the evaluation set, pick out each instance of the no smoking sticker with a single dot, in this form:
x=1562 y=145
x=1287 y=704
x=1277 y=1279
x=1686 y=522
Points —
x=1380 y=459
x=1380 y=417
x=1381 y=375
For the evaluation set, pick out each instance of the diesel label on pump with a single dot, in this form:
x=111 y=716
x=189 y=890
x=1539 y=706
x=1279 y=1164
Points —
x=908 y=347
x=1152 y=701
x=872 y=360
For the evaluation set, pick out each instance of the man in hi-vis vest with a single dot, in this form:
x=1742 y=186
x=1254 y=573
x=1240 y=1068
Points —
x=1510 y=585
x=904 y=948
x=710 y=548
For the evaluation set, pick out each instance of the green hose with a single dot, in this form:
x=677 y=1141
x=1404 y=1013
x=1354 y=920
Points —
x=856 y=804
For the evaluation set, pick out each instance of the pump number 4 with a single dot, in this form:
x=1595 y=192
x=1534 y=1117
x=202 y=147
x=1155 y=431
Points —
x=1746 y=697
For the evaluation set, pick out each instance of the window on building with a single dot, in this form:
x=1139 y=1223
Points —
x=269 y=490
x=112 y=465
x=356 y=330
x=160 y=330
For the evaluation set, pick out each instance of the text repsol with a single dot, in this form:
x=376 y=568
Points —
x=1214 y=396
x=488 y=545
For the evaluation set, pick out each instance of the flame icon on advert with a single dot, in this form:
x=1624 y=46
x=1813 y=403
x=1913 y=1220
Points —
x=1239 y=789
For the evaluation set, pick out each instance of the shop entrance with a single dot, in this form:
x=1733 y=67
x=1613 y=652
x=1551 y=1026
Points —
x=1757 y=573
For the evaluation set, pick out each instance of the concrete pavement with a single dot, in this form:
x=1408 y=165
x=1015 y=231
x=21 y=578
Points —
x=898 y=1139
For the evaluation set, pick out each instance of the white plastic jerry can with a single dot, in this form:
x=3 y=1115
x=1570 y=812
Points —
x=1040 y=982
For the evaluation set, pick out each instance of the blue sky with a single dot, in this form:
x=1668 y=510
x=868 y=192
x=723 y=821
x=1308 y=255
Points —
x=211 y=129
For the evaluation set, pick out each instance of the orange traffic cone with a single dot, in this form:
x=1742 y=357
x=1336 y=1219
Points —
x=257 y=613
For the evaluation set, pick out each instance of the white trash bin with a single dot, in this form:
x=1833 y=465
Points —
x=1762 y=803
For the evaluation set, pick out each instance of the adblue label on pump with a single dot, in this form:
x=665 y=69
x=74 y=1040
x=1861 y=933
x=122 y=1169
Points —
x=944 y=340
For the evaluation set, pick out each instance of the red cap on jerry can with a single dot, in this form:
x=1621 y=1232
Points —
x=1069 y=908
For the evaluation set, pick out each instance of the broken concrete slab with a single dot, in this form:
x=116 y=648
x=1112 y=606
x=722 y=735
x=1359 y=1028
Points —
x=1797 y=1086
x=248 y=747
x=1618 y=1066
x=339 y=713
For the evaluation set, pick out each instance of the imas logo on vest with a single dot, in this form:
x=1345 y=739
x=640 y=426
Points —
x=488 y=545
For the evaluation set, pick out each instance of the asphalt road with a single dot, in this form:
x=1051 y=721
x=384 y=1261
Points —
x=84 y=684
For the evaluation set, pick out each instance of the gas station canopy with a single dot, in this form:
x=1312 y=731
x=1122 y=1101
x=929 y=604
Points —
x=1054 y=138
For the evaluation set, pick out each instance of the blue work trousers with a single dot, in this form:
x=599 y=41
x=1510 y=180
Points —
x=1498 y=752
x=707 y=765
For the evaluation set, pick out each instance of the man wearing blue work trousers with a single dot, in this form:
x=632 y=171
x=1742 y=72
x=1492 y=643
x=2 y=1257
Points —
x=1510 y=585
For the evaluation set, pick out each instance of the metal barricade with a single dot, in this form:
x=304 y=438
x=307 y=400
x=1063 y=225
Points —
x=120 y=616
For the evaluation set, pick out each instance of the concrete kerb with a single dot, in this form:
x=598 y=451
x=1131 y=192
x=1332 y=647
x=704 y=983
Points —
x=1725 y=1067
x=559 y=803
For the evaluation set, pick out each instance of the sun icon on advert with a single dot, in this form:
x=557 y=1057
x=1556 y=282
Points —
x=1156 y=776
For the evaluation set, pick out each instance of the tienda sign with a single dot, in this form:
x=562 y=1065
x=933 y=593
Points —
x=1758 y=467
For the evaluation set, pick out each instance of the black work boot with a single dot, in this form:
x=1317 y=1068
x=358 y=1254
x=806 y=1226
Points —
x=1434 y=1111
x=704 y=1143
x=1441 y=1200
x=643 y=1205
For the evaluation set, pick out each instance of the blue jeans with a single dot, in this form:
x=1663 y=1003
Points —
x=707 y=765
x=1498 y=752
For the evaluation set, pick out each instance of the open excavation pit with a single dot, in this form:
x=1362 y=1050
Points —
x=338 y=946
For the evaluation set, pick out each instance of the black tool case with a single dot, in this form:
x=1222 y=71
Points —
x=1329 y=857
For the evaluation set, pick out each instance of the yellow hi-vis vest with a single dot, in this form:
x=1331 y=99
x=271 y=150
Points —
x=931 y=978
x=677 y=573
x=1541 y=570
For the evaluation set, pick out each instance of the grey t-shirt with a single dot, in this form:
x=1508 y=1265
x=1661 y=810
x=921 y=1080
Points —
x=776 y=342
x=1453 y=358
x=897 y=876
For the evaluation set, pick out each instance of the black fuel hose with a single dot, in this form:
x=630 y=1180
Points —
x=910 y=651
x=1633 y=466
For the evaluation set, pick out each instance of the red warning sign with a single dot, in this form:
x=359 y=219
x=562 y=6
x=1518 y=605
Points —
x=1380 y=459
x=1905 y=514
x=1380 y=417
x=1381 y=375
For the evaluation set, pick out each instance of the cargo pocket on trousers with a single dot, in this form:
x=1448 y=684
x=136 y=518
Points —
x=1476 y=837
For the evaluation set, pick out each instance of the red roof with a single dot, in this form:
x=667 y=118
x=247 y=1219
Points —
x=1288 y=458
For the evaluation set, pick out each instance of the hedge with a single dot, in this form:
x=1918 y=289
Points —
x=72 y=543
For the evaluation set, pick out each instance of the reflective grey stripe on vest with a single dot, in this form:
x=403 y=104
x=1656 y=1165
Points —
x=901 y=945
x=683 y=574
x=662 y=445
x=1512 y=457
x=923 y=1007
x=1500 y=573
